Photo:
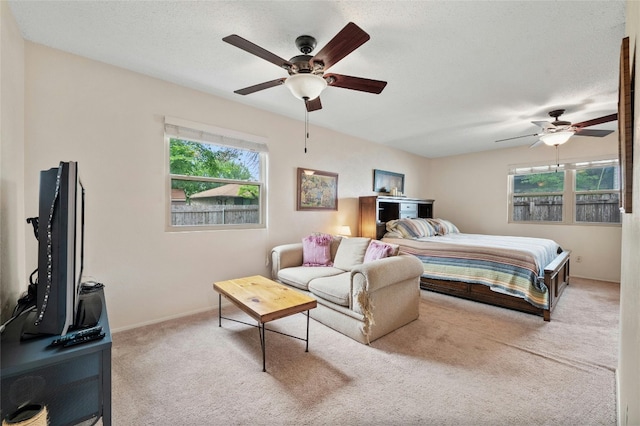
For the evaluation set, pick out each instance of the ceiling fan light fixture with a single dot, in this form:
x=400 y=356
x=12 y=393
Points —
x=305 y=86
x=557 y=138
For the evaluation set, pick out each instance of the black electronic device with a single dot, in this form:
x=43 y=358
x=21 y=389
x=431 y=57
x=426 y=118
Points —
x=89 y=310
x=84 y=339
x=60 y=250
x=69 y=337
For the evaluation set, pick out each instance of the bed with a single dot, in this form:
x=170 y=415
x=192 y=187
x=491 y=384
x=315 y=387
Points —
x=523 y=273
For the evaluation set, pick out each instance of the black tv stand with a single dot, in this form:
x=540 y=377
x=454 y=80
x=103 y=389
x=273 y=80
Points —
x=74 y=383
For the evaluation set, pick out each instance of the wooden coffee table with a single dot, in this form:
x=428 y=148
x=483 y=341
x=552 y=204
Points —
x=263 y=300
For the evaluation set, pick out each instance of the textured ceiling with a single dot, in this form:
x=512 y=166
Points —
x=460 y=74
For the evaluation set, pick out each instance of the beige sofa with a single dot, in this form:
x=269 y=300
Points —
x=364 y=301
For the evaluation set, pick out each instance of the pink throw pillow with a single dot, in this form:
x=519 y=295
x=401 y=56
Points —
x=316 y=250
x=377 y=250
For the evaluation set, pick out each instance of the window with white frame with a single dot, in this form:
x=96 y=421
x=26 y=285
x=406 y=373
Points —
x=597 y=192
x=215 y=177
x=579 y=193
x=537 y=195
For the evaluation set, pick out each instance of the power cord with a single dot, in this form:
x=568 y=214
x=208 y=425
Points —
x=13 y=318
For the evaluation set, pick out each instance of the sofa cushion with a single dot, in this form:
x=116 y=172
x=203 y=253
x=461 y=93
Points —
x=300 y=276
x=335 y=243
x=379 y=250
x=351 y=253
x=316 y=250
x=335 y=289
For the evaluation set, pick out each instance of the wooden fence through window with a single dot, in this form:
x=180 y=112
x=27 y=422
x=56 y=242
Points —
x=596 y=208
x=202 y=215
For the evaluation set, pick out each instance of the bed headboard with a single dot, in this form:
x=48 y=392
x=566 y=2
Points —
x=377 y=210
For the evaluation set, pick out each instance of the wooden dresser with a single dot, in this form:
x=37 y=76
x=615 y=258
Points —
x=377 y=210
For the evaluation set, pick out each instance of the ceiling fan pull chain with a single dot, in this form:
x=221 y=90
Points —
x=306 y=129
x=557 y=158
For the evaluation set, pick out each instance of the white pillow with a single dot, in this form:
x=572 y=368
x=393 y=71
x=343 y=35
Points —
x=351 y=253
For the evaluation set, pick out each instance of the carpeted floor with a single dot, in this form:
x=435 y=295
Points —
x=460 y=363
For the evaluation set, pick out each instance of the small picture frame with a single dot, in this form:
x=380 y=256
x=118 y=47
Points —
x=317 y=190
x=384 y=181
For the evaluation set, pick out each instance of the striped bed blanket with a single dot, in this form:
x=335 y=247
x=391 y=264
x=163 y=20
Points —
x=509 y=265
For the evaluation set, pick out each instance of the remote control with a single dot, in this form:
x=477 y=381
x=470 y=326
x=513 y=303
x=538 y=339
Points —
x=84 y=339
x=72 y=336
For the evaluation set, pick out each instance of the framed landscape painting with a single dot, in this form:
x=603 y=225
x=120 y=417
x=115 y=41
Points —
x=317 y=190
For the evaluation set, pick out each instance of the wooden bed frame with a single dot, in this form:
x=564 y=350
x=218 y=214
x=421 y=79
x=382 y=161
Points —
x=556 y=278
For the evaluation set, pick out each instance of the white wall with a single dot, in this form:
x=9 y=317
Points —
x=12 y=216
x=111 y=121
x=629 y=362
x=472 y=191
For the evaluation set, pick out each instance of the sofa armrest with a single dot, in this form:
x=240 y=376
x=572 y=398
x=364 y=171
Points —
x=285 y=256
x=380 y=273
x=373 y=297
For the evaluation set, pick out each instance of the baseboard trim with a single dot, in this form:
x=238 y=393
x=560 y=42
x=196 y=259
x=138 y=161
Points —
x=592 y=279
x=163 y=319
x=621 y=415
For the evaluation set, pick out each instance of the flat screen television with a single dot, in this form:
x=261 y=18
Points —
x=60 y=249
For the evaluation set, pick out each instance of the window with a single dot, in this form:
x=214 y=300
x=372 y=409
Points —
x=538 y=196
x=215 y=177
x=597 y=193
x=586 y=192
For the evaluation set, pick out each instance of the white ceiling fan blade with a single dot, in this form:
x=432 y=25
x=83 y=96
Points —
x=536 y=143
x=544 y=124
x=517 y=137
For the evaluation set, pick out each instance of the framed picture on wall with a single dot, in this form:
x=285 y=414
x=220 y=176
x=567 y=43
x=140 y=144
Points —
x=625 y=128
x=384 y=181
x=317 y=190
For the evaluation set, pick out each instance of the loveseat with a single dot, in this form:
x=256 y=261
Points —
x=363 y=287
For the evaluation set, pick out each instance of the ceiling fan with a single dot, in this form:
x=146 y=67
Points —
x=307 y=78
x=558 y=132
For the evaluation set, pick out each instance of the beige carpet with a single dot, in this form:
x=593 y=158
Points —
x=461 y=363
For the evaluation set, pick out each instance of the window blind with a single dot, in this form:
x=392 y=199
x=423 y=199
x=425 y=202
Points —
x=537 y=169
x=184 y=129
x=562 y=167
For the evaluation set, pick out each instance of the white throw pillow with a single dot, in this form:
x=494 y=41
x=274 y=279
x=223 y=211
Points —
x=351 y=253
